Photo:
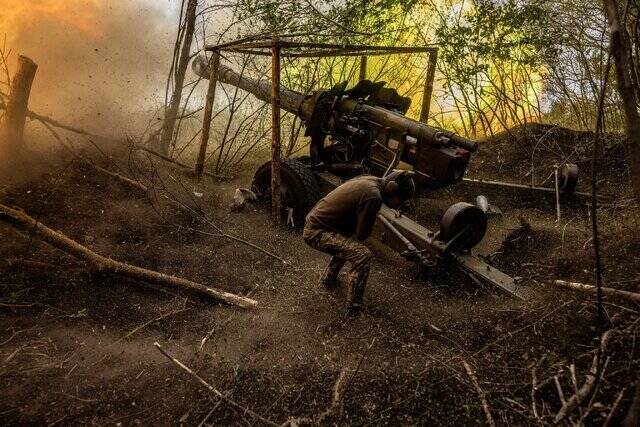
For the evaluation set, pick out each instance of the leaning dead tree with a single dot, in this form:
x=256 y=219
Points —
x=25 y=224
x=625 y=73
x=629 y=90
x=178 y=72
x=18 y=102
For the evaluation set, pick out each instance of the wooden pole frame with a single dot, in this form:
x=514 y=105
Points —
x=275 y=47
x=363 y=68
x=428 y=86
x=276 y=215
x=208 y=111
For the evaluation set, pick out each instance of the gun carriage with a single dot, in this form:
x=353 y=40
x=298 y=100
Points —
x=363 y=129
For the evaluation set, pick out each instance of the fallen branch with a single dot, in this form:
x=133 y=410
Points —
x=182 y=165
x=25 y=223
x=55 y=123
x=86 y=161
x=614 y=407
x=48 y=120
x=480 y=392
x=335 y=409
x=211 y=388
x=583 y=392
x=147 y=323
x=534 y=388
x=144 y=189
x=631 y=296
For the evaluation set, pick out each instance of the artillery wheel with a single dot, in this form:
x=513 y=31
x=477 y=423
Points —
x=454 y=221
x=568 y=178
x=299 y=188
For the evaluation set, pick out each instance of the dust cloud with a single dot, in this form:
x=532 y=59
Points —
x=102 y=64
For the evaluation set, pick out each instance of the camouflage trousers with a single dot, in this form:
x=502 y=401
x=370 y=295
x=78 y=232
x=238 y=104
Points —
x=342 y=250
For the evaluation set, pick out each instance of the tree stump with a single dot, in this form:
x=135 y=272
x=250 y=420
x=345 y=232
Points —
x=17 y=106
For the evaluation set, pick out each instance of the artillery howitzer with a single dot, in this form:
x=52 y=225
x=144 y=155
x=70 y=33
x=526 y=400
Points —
x=368 y=133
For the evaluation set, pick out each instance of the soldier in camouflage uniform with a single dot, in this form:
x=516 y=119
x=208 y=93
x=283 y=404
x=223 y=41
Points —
x=342 y=220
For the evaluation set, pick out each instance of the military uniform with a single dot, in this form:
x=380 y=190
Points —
x=349 y=210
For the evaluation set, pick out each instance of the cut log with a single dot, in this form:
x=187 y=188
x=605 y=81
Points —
x=17 y=105
x=29 y=225
x=631 y=296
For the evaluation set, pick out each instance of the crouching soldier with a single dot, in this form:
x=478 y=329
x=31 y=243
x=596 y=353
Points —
x=342 y=220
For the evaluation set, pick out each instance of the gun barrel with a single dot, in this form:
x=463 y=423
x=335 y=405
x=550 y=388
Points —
x=419 y=130
x=303 y=106
x=290 y=100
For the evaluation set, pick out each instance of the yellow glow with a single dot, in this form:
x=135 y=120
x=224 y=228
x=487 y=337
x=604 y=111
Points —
x=78 y=16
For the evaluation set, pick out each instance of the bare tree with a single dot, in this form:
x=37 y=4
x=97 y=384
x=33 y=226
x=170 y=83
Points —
x=178 y=71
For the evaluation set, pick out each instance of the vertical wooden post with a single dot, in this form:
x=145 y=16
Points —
x=18 y=103
x=428 y=86
x=275 y=132
x=557 y=194
x=208 y=109
x=363 y=68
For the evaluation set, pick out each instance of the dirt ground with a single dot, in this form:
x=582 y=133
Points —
x=76 y=347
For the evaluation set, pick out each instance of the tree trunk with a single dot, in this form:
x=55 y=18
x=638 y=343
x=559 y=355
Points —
x=17 y=106
x=619 y=50
x=183 y=62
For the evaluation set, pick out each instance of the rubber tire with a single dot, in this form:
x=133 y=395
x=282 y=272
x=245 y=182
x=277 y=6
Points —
x=458 y=216
x=304 y=191
x=568 y=179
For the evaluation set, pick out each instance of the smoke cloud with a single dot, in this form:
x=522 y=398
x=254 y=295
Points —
x=102 y=64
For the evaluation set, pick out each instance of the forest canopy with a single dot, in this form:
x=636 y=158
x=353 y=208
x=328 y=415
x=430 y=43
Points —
x=500 y=64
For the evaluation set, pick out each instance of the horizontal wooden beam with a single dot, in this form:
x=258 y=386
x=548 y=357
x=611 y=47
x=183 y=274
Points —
x=337 y=48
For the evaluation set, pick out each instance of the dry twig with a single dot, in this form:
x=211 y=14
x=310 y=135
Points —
x=480 y=392
x=614 y=407
x=336 y=403
x=583 y=392
x=211 y=388
x=86 y=161
x=147 y=323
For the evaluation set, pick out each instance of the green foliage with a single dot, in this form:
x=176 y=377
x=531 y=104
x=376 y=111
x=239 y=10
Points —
x=328 y=20
x=492 y=32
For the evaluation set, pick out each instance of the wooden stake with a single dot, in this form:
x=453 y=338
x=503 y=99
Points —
x=363 y=68
x=275 y=138
x=208 y=109
x=428 y=86
x=30 y=226
x=631 y=296
x=557 y=194
x=17 y=106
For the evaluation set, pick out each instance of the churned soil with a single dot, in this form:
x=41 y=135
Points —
x=76 y=347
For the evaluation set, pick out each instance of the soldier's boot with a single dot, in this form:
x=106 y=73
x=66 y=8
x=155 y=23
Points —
x=330 y=276
x=357 y=283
